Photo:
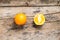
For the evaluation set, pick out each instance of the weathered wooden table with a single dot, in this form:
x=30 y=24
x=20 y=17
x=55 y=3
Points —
x=49 y=31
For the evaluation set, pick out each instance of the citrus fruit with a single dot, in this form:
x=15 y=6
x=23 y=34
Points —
x=20 y=19
x=39 y=19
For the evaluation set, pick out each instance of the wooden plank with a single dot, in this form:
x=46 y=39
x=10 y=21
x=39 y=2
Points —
x=49 y=31
x=51 y=15
x=6 y=14
x=29 y=2
x=29 y=11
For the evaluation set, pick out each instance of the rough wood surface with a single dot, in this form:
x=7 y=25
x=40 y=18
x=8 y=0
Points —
x=49 y=31
x=29 y=2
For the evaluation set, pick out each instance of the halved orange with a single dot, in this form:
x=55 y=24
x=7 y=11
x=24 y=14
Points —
x=39 y=19
x=20 y=18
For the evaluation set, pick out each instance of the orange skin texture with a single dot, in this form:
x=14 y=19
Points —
x=20 y=19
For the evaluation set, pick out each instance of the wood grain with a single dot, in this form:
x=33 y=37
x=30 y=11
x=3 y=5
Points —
x=49 y=31
x=29 y=2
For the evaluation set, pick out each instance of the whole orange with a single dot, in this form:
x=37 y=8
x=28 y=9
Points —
x=20 y=19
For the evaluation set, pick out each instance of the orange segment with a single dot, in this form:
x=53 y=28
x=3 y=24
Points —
x=39 y=19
